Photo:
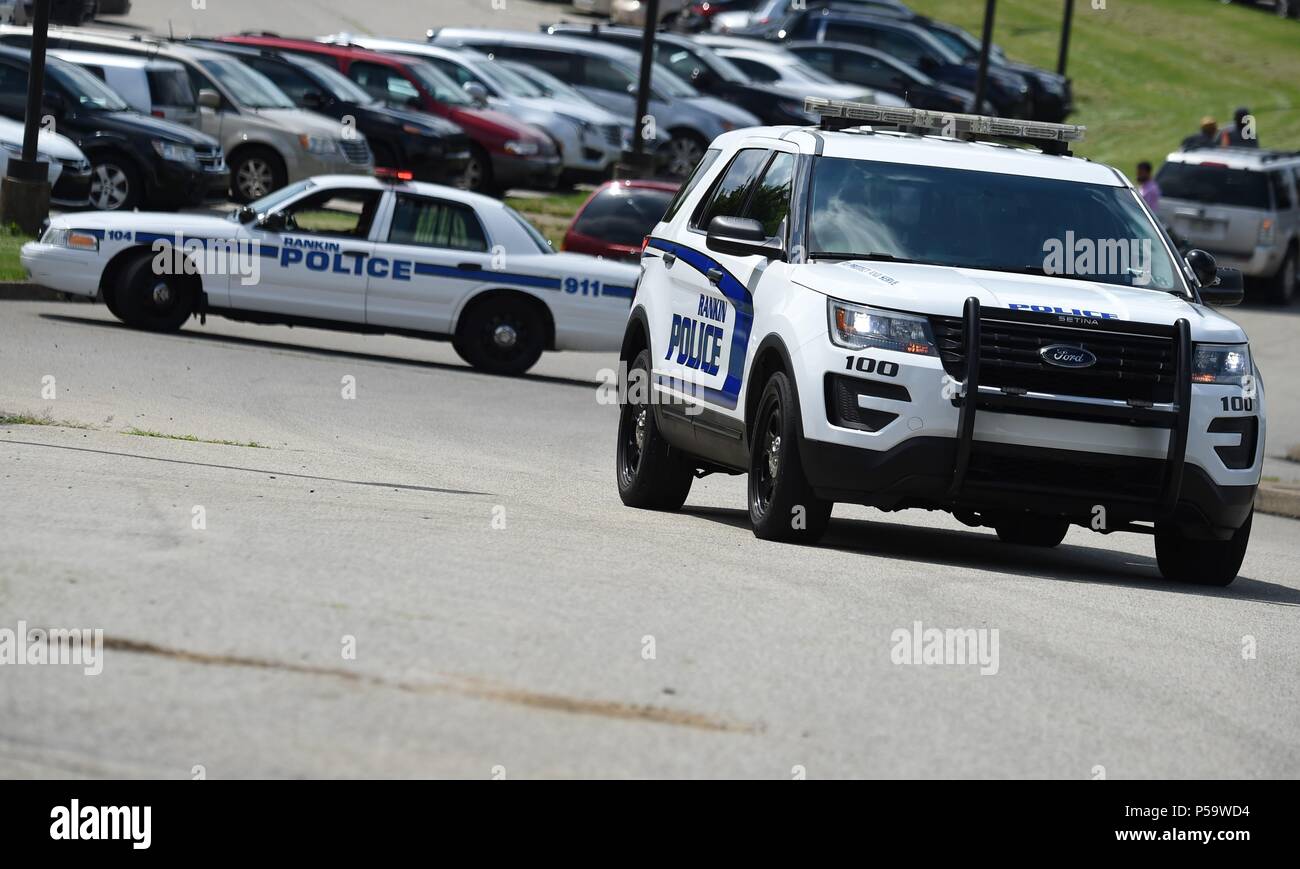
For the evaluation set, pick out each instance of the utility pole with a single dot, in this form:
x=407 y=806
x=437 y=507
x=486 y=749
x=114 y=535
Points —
x=981 y=77
x=25 y=191
x=1065 y=37
x=639 y=164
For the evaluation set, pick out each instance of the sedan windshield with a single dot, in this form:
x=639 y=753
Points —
x=248 y=86
x=339 y=86
x=89 y=92
x=863 y=209
x=439 y=85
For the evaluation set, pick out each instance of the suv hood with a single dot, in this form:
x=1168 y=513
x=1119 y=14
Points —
x=299 y=121
x=134 y=122
x=943 y=290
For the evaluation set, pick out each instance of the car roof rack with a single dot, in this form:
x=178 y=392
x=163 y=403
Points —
x=844 y=114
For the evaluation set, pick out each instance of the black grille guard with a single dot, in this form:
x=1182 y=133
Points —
x=1173 y=416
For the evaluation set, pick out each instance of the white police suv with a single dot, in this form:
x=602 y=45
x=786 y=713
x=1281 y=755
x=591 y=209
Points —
x=348 y=252
x=901 y=308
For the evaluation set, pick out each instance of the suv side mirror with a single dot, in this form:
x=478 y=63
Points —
x=313 y=99
x=741 y=236
x=476 y=92
x=209 y=99
x=1203 y=266
x=1228 y=289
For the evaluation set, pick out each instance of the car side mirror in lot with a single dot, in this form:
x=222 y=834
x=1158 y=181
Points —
x=1203 y=266
x=209 y=99
x=476 y=92
x=1229 y=289
x=273 y=222
x=742 y=236
x=313 y=99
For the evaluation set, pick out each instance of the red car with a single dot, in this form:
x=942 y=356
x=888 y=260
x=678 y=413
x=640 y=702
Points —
x=505 y=152
x=616 y=217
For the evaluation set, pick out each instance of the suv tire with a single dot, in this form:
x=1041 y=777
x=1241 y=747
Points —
x=782 y=505
x=1201 y=562
x=652 y=474
x=1032 y=531
x=1284 y=282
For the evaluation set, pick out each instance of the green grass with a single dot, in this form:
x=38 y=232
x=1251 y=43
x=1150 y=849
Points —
x=550 y=214
x=44 y=419
x=11 y=242
x=1145 y=71
x=147 y=433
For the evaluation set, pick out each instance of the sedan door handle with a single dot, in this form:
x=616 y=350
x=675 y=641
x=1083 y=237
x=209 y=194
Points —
x=469 y=267
x=714 y=275
x=361 y=253
x=669 y=259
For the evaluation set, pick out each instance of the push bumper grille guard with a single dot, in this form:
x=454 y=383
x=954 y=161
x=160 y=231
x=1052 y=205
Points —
x=1173 y=417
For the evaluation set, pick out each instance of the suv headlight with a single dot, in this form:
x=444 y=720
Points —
x=858 y=327
x=318 y=145
x=69 y=238
x=174 y=152
x=1221 y=363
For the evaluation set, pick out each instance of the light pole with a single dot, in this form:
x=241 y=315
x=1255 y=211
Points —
x=1065 y=37
x=639 y=164
x=25 y=190
x=981 y=76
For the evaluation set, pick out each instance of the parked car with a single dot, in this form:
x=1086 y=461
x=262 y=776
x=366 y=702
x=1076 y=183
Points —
x=149 y=85
x=589 y=137
x=136 y=160
x=1008 y=91
x=633 y=12
x=68 y=168
x=768 y=14
x=700 y=15
x=1280 y=8
x=874 y=69
x=617 y=217
x=608 y=74
x=268 y=141
x=114 y=7
x=787 y=71
x=431 y=148
x=712 y=73
x=61 y=11
x=1240 y=204
x=505 y=152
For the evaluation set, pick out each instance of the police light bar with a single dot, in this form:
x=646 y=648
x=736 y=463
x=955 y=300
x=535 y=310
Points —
x=839 y=114
x=383 y=173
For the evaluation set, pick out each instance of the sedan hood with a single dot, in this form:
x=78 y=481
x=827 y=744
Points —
x=49 y=143
x=153 y=222
x=943 y=290
x=727 y=112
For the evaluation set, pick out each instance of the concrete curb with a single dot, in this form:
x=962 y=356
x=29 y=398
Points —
x=18 y=291
x=1278 y=499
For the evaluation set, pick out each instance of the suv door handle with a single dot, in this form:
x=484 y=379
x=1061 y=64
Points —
x=714 y=275
x=669 y=259
x=470 y=267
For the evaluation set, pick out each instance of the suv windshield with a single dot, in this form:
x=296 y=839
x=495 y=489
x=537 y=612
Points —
x=1214 y=183
x=863 y=209
x=439 y=85
x=339 y=86
x=89 y=92
x=248 y=86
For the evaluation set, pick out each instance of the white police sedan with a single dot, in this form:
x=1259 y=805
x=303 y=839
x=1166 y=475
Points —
x=347 y=252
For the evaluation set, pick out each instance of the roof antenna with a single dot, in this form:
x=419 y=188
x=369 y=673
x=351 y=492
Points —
x=171 y=34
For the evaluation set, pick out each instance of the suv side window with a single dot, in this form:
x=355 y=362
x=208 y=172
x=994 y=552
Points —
x=383 y=83
x=597 y=72
x=418 y=220
x=771 y=200
x=294 y=84
x=728 y=196
x=852 y=33
x=1283 y=195
x=710 y=157
x=903 y=46
x=556 y=63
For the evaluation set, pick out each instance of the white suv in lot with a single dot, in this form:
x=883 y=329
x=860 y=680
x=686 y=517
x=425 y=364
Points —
x=868 y=312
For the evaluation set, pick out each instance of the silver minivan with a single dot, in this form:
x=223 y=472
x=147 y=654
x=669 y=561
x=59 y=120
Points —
x=1240 y=204
x=268 y=141
x=150 y=85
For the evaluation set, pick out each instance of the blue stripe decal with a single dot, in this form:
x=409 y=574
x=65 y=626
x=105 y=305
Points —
x=537 y=281
x=736 y=293
x=97 y=233
x=617 y=292
x=695 y=390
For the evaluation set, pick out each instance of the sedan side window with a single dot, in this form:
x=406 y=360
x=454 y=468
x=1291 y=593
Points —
x=335 y=212
x=383 y=83
x=729 y=194
x=425 y=222
x=603 y=75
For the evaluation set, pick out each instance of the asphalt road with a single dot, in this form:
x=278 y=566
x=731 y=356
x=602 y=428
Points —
x=465 y=532
x=401 y=18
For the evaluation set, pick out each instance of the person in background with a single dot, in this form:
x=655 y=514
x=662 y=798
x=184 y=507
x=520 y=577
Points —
x=1147 y=185
x=1206 y=138
x=1235 y=135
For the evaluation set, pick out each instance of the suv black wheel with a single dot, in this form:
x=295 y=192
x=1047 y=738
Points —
x=652 y=473
x=1284 y=282
x=502 y=334
x=782 y=506
x=1201 y=562
x=256 y=172
x=158 y=303
x=1032 y=530
x=115 y=185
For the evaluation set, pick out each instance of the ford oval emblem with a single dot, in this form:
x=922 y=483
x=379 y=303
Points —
x=1065 y=356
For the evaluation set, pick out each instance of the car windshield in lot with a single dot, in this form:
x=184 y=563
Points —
x=339 y=86
x=622 y=215
x=864 y=209
x=439 y=85
x=171 y=87
x=1214 y=184
x=248 y=86
x=89 y=91
x=271 y=201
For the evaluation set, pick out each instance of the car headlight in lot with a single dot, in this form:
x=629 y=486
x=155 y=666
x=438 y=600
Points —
x=70 y=238
x=858 y=327
x=175 y=153
x=522 y=147
x=1221 y=363
x=318 y=145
